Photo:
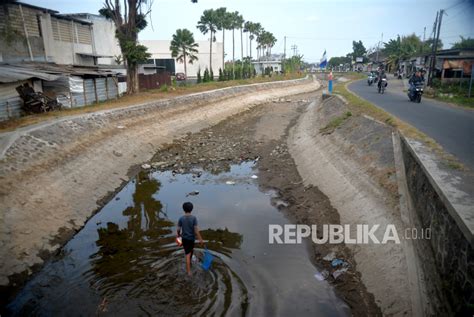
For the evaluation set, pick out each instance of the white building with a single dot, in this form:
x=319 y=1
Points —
x=161 y=57
x=272 y=61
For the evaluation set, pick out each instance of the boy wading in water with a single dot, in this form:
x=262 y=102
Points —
x=188 y=230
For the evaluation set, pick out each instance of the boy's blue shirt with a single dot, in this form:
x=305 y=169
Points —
x=187 y=224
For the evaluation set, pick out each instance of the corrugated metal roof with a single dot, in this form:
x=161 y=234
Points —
x=10 y=74
x=47 y=71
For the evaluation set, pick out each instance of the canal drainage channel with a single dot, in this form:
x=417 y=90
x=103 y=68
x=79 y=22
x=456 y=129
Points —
x=125 y=260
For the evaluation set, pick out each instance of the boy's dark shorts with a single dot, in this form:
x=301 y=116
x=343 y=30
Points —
x=188 y=246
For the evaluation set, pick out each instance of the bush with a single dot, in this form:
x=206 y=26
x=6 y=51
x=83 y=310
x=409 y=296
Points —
x=206 y=76
x=199 y=79
x=221 y=75
x=164 y=88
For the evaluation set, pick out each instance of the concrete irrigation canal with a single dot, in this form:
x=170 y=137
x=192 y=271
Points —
x=91 y=203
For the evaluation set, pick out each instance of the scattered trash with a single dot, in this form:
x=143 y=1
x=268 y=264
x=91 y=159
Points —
x=207 y=260
x=329 y=257
x=193 y=193
x=321 y=276
x=339 y=262
x=146 y=166
x=230 y=183
x=339 y=272
x=158 y=164
x=257 y=159
x=281 y=204
x=254 y=177
x=194 y=259
x=120 y=127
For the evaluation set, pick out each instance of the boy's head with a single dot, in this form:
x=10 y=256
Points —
x=187 y=207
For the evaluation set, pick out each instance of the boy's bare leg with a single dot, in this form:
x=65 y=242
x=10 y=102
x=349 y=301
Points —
x=188 y=263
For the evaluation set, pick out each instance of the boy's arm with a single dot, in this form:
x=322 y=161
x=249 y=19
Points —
x=178 y=232
x=198 y=234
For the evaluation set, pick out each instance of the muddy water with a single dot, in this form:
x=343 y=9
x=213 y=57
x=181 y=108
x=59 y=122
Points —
x=125 y=261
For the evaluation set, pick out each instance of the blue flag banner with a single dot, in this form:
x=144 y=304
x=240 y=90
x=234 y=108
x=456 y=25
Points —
x=324 y=61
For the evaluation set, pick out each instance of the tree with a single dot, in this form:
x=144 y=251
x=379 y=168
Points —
x=239 y=23
x=128 y=23
x=336 y=61
x=208 y=24
x=464 y=43
x=183 y=47
x=358 y=49
x=223 y=23
x=254 y=29
x=235 y=22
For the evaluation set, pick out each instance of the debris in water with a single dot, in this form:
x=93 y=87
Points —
x=146 y=166
x=230 y=183
x=321 y=276
x=254 y=177
x=339 y=272
x=329 y=257
x=337 y=262
x=193 y=193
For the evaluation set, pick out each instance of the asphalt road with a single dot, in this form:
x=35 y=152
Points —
x=452 y=127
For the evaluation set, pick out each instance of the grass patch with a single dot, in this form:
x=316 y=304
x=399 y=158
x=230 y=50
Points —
x=458 y=100
x=335 y=123
x=142 y=97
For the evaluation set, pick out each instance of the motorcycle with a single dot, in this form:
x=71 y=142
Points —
x=415 y=93
x=370 y=80
x=382 y=85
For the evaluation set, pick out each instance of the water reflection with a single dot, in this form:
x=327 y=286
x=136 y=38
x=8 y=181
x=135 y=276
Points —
x=125 y=261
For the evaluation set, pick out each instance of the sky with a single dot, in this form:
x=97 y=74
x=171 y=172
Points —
x=311 y=25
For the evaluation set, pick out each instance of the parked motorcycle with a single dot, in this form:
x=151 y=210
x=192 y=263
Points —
x=370 y=79
x=415 y=93
x=382 y=85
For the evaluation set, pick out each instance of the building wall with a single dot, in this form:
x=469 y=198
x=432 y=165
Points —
x=14 y=38
x=161 y=49
x=53 y=38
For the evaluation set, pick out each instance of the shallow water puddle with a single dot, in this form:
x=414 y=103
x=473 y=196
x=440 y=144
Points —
x=125 y=260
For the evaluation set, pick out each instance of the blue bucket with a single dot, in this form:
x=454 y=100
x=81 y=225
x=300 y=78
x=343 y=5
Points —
x=207 y=260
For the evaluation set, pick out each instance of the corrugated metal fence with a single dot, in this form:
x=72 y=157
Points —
x=72 y=91
x=10 y=101
x=153 y=81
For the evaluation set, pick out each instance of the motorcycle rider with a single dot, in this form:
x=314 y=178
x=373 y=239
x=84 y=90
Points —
x=415 y=79
x=381 y=76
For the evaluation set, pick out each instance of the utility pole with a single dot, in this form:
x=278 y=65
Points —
x=378 y=47
x=294 y=48
x=436 y=29
x=423 y=43
x=284 y=50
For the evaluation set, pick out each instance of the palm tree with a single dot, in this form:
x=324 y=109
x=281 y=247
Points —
x=235 y=21
x=223 y=23
x=247 y=27
x=208 y=23
x=254 y=29
x=239 y=22
x=184 y=47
